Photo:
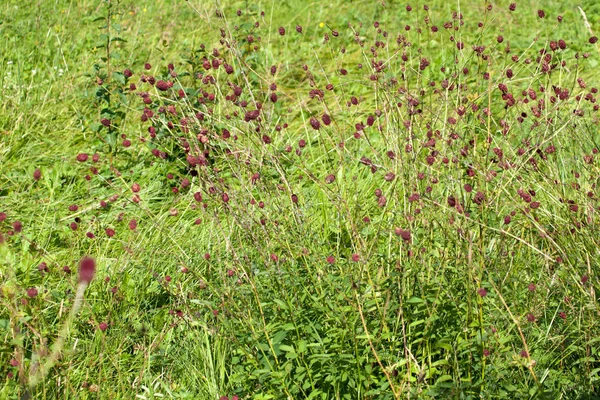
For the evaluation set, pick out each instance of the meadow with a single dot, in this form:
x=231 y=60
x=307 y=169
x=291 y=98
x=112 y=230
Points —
x=299 y=200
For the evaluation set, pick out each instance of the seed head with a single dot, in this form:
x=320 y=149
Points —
x=32 y=292
x=281 y=30
x=37 y=174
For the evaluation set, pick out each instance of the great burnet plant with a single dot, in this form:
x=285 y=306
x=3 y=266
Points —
x=385 y=195
x=383 y=208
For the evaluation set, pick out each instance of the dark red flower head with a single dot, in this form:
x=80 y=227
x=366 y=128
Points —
x=17 y=226
x=163 y=85
x=315 y=123
x=404 y=234
x=87 y=269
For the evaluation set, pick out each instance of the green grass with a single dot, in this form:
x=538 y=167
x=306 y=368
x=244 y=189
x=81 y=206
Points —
x=245 y=302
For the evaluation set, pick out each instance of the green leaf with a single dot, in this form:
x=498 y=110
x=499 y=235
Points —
x=119 y=77
x=281 y=304
x=415 y=300
x=301 y=346
x=286 y=348
x=443 y=378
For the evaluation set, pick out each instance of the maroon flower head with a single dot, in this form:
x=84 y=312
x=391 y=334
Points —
x=298 y=29
x=251 y=115
x=482 y=292
x=512 y=6
x=281 y=30
x=404 y=234
x=32 y=292
x=562 y=314
x=103 y=326
x=17 y=226
x=593 y=40
x=81 y=157
x=315 y=123
x=87 y=269
x=163 y=85
x=37 y=174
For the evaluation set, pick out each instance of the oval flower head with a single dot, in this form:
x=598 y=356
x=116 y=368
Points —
x=87 y=269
